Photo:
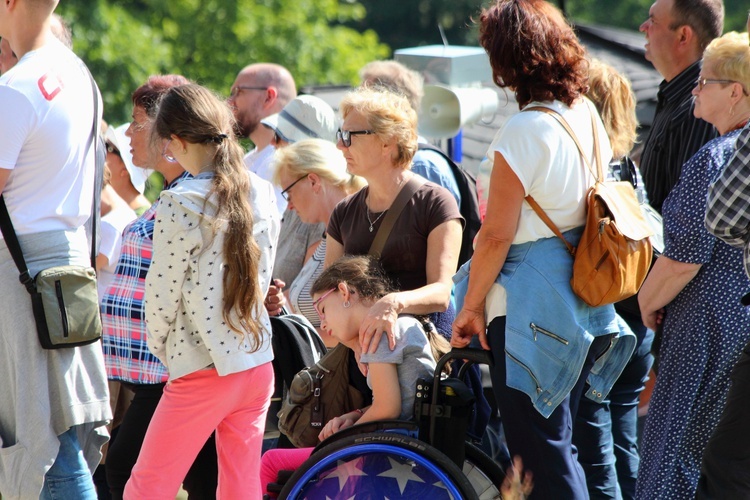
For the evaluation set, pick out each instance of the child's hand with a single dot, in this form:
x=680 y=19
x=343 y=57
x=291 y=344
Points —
x=337 y=423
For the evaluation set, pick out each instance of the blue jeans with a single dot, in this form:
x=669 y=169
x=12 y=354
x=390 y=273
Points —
x=606 y=434
x=69 y=477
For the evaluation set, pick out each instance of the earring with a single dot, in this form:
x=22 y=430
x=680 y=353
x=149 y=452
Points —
x=347 y=304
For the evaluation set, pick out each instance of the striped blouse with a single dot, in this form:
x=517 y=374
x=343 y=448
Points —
x=299 y=291
x=676 y=135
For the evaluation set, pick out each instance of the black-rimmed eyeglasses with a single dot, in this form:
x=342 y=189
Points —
x=285 y=192
x=239 y=88
x=345 y=136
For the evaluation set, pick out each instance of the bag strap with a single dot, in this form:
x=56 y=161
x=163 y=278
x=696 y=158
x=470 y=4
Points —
x=598 y=175
x=398 y=205
x=6 y=224
x=98 y=172
x=9 y=234
x=545 y=218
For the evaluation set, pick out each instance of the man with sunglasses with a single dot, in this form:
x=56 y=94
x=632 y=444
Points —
x=259 y=92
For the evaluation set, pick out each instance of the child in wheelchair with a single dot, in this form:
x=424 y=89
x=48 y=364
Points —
x=343 y=295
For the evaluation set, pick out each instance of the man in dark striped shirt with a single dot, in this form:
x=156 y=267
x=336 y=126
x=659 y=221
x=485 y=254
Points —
x=677 y=32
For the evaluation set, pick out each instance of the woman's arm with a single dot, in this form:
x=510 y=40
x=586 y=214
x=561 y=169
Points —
x=101 y=262
x=443 y=244
x=386 y=400
x=664 y=282
x=492 y=245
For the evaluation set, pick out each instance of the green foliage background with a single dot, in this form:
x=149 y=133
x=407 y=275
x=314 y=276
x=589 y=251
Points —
x=320 y=41
x=209 y=41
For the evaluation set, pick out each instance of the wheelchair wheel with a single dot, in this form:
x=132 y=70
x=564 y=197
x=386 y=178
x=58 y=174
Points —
x=379 y=465
x=484 y=474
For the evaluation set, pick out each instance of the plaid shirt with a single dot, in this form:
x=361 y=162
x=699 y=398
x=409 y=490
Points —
x=124 y=335
x=728 y=213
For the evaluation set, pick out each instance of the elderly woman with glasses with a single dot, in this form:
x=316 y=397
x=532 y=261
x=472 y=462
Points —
x=379 y=138
x=693 y=292
x=314 y=179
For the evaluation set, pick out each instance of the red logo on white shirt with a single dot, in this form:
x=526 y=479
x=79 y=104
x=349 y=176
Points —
x=50 y=85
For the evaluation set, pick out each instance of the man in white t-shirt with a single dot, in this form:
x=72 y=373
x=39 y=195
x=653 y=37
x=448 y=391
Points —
x=54 y=402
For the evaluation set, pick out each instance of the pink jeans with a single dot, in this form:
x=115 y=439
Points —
x=274 y=461
x=191 y=408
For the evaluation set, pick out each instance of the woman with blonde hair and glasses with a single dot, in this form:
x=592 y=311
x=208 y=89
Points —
x=693 y=291
x=214 y=242
x=379 y=138
x=313 y=176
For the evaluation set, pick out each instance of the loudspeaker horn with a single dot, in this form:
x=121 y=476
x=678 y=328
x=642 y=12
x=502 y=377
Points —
x=446 y=109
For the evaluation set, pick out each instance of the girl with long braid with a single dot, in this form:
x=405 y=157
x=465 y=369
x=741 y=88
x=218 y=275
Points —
x=213 y=253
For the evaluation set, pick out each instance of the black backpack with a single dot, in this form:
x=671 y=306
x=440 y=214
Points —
x=467 y=188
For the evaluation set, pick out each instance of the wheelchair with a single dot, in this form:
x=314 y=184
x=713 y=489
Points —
x=425 y=458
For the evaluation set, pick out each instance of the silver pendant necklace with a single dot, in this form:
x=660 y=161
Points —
x=372 y=222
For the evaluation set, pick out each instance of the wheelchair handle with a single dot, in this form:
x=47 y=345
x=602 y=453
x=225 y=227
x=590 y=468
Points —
x=470 y=354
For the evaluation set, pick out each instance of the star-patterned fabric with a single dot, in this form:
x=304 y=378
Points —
x=376 y=476
x=184 y=299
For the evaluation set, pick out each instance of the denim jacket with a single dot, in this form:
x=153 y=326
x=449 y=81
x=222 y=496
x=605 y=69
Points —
x=549 y=329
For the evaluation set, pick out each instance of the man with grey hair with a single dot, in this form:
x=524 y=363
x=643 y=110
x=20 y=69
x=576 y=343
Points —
x=54 y=402
x=60 y=29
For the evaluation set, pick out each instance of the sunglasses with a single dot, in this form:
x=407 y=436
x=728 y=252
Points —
x=239 y=88
x=320 y=299
x=345 y=136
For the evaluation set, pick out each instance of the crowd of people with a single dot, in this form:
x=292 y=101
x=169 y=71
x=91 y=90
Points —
x=176 y=394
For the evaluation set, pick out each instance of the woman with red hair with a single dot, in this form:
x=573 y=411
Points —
x=544 y=339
